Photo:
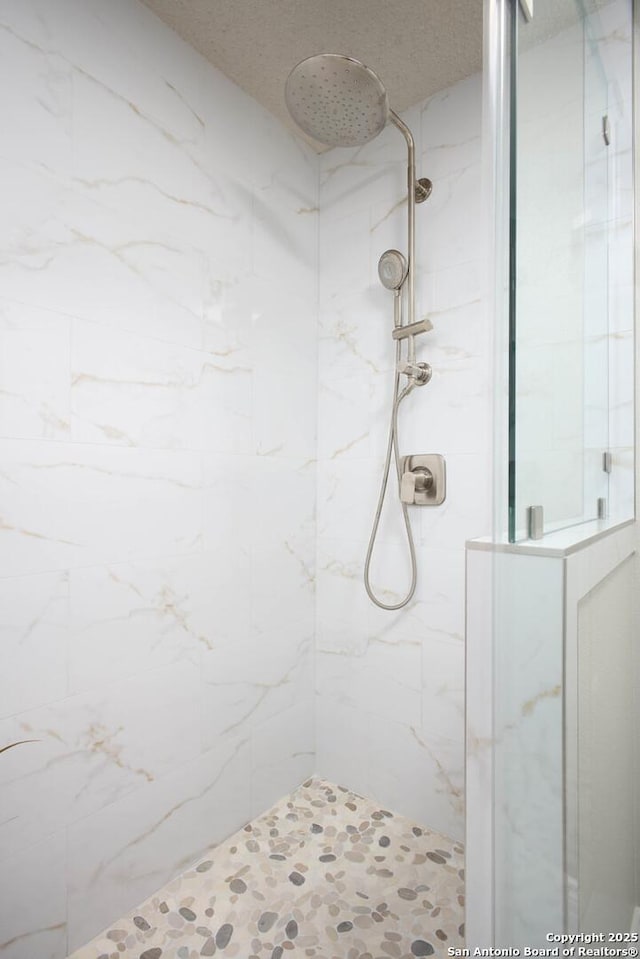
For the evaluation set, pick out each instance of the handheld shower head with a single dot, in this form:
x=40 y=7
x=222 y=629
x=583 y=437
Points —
x=337 y=100
x=392 y=269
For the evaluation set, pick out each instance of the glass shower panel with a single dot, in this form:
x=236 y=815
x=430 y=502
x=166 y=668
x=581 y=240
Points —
x=559 y=270
x=565 y=708
x=596 y=200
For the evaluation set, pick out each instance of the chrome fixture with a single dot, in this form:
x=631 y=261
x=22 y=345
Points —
x=423 y=479
x=341 y=102
x=535 y=522
x=412 y=329
x=337 y=100
x=423 y=189
x=392 y=269
x=527 y=9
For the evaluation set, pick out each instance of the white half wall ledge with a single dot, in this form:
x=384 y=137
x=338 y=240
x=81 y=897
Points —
x=562 y=542
x=521 y=655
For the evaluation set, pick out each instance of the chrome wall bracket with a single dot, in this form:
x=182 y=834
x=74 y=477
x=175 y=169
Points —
x=423 y=480
x=419 y=373
x=423 y=189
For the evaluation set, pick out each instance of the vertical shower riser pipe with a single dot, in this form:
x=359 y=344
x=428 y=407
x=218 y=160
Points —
x=411 y=214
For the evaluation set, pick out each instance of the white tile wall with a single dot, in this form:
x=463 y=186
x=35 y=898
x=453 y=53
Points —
x=142 y=842
x=33 y=907
x=158 y=437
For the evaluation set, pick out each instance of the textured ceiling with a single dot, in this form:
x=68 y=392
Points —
x=415 y=46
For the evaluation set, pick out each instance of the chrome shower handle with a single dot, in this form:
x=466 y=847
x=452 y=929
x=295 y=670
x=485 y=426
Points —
x=423 y=479
x=415 y=483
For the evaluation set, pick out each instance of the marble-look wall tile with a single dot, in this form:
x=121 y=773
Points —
x=88 y=751
x=248 y=682
x=146 y=152
x=158 y=441
x=443 y=689
x=354 y=423
x=343 y=744
x=384 y=679
x=479 y=746
x=34 y=372
x=282 y=748
x=263 y=509
x=152 y=835
x=34 y=626
x=137 y=391
x=454 y=410
x=466 y=512
x=345 y=501
x=282 y=500
x=74 y=505
x=530 y=606
x=143 y=61
x=450 y=130
x=33 y=902
x=227 y=535
x=69 y=250
x=131 y=618
x=37 y=115
x=281 y=424
x=281 y=251
x=422 y=774
x=229 y=303
x=456 y=198
x=283 y=334
x=442 y=579
x=283 y=589
x=349 y=343
x=346 y=619
x=421 y=777
x=341 y=602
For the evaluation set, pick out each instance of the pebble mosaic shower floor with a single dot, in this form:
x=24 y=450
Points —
x=325 y=874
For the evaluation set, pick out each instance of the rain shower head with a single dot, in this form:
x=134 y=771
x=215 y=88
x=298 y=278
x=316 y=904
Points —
x=337 y=100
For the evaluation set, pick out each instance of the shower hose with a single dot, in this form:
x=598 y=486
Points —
x=392 y=447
